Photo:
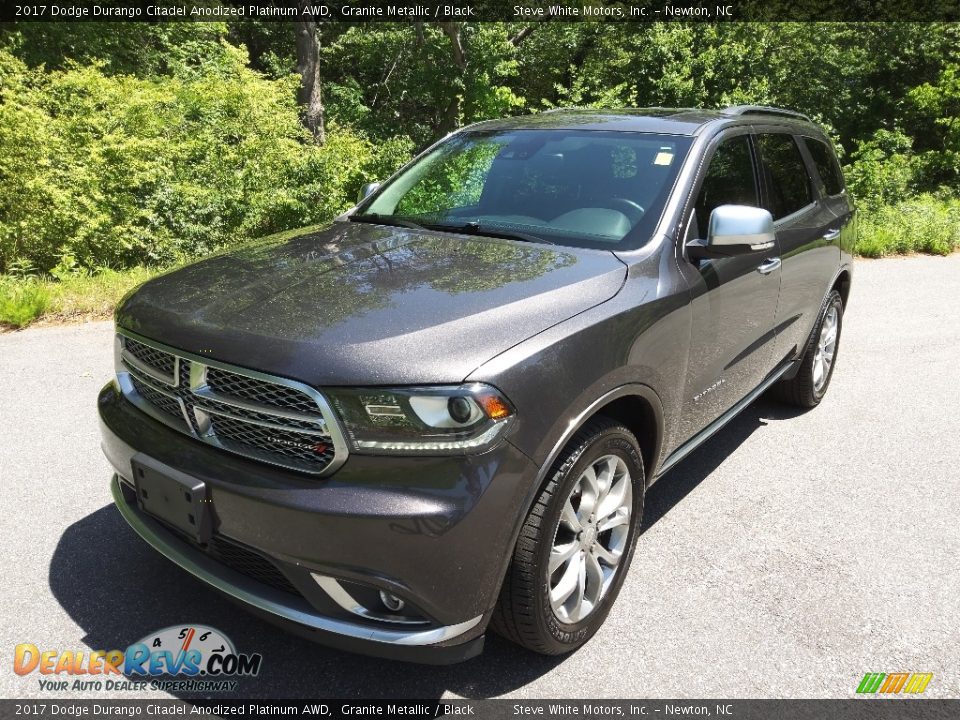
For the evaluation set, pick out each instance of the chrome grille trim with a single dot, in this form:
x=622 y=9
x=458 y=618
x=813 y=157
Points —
x=200 y=405
x=268 y=425
x=156 y=370
x=205 y=395
x=155 y=409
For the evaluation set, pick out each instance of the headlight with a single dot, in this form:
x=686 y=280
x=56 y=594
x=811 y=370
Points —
x=423 y=420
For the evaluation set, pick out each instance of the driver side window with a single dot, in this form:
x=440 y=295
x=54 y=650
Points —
x=730 y=180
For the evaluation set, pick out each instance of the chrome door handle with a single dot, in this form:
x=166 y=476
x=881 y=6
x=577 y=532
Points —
x=831 y=234
x=768 y=266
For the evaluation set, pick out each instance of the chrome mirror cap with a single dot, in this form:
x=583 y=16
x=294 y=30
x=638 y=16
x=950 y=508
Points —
x=741 y=225
x=367 y=190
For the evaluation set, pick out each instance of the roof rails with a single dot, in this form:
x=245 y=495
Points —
x=736 y=110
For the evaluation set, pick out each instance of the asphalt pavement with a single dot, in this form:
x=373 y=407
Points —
x=790 y=555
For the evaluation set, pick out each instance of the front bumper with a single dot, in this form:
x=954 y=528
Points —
x=436 y=532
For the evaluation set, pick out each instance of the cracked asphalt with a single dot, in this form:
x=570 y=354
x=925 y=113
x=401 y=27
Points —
x=787 y=557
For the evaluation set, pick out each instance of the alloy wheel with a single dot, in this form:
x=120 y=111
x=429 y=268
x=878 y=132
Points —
x=590 y=539
x=826 y=348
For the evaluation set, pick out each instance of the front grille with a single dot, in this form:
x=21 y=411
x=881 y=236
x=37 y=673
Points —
x=168 y=405
x=298 y=446
x=183 y=390
x=235 y=385
x=218 y=407
x=270 y=419
x=248 y=562
x=160 y=361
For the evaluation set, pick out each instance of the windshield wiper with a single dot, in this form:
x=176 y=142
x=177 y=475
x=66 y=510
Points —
x=379 y=219
x=474 y=228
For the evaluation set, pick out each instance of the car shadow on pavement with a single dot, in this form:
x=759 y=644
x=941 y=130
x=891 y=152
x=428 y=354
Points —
x=118 y=589
x=681 y=480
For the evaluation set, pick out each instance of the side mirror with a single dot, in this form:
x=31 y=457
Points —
x=367 y=190
x=735 y=230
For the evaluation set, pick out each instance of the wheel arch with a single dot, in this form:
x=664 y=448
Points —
x=636 y=406
x=637 y=414
x=842 y=285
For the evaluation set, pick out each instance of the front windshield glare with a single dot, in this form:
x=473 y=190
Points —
x=583 y=188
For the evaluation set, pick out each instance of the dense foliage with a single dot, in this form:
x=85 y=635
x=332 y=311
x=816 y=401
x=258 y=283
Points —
x=118 y=170
x=165 y=141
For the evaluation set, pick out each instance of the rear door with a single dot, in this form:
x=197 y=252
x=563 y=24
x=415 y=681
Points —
x=805 y=227
x=833 y=192
x=733 y=299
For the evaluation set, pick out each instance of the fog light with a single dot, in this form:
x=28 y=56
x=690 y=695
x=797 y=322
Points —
x=391 y=602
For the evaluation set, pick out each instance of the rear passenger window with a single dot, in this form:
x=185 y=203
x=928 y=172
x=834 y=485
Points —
x=729 y=181
x=826 y=164
x=786 y=175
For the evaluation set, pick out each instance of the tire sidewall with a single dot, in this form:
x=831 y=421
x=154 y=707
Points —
x=833 y=301
x=613 y=441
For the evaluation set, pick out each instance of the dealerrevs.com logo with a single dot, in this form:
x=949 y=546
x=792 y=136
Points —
x=202 y=659
x=894 y=683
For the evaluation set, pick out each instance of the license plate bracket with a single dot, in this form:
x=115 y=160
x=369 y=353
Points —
x=174 y=497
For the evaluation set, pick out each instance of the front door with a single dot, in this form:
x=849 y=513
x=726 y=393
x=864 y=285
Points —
x=733 y=300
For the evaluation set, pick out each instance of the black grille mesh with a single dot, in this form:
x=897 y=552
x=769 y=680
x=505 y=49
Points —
x=299 y=446
x=249 y=563
x=157 y=359
x=163 y=403
x=266 y=393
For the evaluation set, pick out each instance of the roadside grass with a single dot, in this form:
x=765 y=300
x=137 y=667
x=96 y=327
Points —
x=924 y=224
x=24 y=299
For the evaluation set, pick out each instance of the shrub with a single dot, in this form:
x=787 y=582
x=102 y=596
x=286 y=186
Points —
x=119 y=171
x=883 y=170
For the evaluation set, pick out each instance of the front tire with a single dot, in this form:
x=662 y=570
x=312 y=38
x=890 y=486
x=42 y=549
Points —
x=576 y=543
x=807 y=388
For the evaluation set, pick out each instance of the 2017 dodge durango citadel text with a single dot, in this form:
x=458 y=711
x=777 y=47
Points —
x=439 y=414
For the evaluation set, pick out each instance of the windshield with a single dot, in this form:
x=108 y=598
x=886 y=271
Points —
x=569 y=187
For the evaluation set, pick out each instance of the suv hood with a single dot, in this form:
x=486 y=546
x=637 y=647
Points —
x=360 y=304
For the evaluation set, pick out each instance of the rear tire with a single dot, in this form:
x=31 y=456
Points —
x=580 y=534
x=807 y=388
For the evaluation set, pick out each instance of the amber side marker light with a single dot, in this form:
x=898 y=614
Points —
x=494 y=406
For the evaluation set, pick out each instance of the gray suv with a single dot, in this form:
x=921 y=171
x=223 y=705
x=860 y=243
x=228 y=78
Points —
x=439 y=413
